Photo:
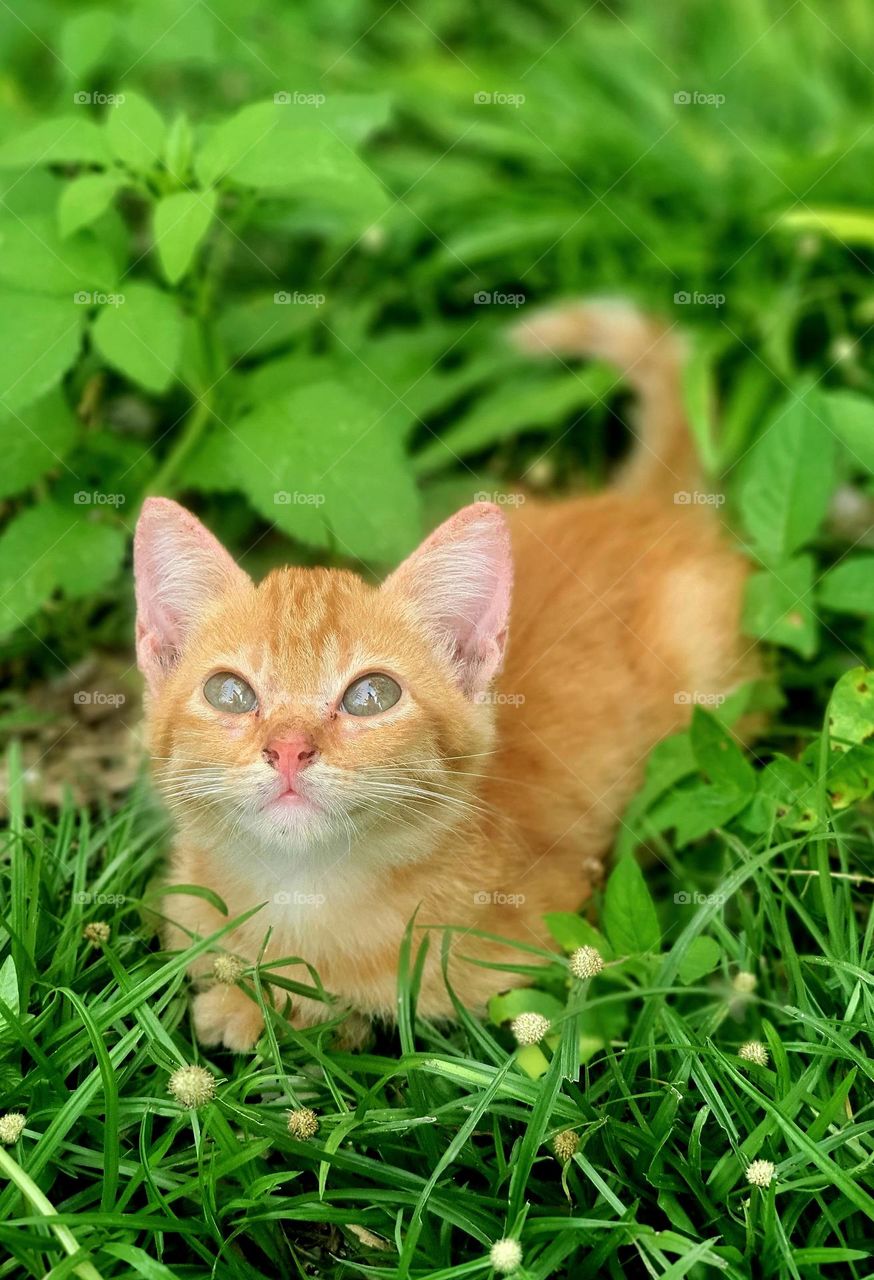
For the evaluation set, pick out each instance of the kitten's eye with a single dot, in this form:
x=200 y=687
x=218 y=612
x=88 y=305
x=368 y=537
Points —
x=371 y=694
x=227 y=692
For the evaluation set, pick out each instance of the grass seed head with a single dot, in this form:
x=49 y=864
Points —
x=303 y=1123
x=96 y=933
x=586 y=962
x=192 y=1086
x=754 y=1051
x=11 y=1127
x=529 y=1028
x=566 y=1144
x=506 y=1256
x=228 y=970
x=761 y=1173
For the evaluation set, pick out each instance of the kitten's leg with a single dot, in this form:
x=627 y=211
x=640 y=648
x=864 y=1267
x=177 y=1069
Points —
x=228 y=1016
x=223 y=1013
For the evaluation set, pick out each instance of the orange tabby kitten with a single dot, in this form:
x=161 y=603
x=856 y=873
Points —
x=348 y=755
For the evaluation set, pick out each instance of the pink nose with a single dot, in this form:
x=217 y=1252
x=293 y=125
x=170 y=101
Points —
x=289 y=755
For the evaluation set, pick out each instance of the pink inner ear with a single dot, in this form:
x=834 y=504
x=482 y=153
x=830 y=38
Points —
x=179 y=568
x=459 y=582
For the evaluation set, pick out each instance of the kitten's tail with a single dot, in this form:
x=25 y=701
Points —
x=650 y=356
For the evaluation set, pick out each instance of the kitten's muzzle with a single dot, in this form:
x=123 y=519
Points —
x=288 y=756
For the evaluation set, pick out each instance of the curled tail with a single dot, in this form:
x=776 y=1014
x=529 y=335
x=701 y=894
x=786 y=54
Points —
x=650 y=356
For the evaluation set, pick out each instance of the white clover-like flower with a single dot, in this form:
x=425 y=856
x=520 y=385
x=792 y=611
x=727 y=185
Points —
x=745 y=983
x=11 y=1127
x=228 y=970
x=761 y=1173
x=96 y=933
x=303 y=1123
x=754 y=1051
x=529 y=1028
x=566 y=1144
x=192 y=1086
x=506 y=1256
x=586 y=962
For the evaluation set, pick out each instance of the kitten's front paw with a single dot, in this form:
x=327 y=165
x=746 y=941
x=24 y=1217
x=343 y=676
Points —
x=225 y=1015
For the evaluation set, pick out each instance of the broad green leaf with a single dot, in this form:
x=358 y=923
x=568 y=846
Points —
x=572 y=931
x=629 y=916
x=39 y=341
x=355 y=116
x=849 y=587
x=181 y=222
x=90 y=558
x=50 y=548
x=718 y=755
x=35 y=257
x=788 y=478
x=700 y=958
x=668 y=762
x=695 y=810
x=524 y=1000
x=852 y=418
x=321 y=464
x=272 y=148
x=136 y=133
x=70 y=139
x=850 y=776
x=851 y=708
x=788 y=792
x=36 y=438
x=85 y=198
x=141 y=338
x=777 y=606
x=532 y=1060
x=178 y=148
x=85 y=40
x=258 y=324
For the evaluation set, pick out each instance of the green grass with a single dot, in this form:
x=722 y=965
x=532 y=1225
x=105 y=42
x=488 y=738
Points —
x=437 y=1139
x=434 y=1138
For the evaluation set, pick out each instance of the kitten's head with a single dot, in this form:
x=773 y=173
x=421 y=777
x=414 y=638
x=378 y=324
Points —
x=315 y=707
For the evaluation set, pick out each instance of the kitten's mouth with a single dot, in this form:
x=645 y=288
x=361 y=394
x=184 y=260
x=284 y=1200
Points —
x=288 y=798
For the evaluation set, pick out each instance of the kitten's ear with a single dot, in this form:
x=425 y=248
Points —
x=459 y=582
x=179 y=568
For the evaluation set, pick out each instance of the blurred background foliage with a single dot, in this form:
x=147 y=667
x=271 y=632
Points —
x=224 y=296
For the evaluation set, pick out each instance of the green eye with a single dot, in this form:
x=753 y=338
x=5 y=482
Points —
x=227 y=692
x=371 y=694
